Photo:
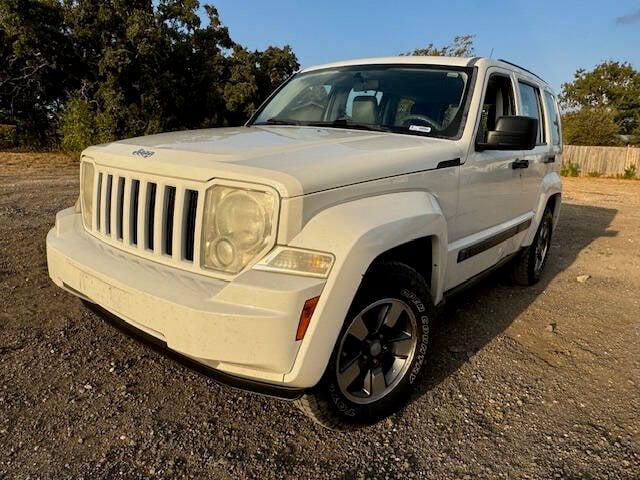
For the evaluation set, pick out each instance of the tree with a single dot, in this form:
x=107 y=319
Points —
x=590 y=126
x=254 y=75
x=611 y=85
x=94 y=71
x=461 y=46
x=37 y=63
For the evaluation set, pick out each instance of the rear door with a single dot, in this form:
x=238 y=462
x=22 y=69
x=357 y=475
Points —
x=554 y=129
x=531 y=105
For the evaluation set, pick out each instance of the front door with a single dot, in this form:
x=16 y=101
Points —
x=490 y=199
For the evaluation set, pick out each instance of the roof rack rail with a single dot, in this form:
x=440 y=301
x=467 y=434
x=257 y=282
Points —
x=521 y=68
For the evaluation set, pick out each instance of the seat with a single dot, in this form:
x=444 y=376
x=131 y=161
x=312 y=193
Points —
x=365 y=110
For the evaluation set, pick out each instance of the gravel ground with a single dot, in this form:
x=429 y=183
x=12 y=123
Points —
x=538 y=382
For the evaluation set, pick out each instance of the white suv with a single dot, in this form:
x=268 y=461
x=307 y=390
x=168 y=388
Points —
x=304 y=255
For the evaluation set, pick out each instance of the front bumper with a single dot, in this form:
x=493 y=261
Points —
x=244 y=328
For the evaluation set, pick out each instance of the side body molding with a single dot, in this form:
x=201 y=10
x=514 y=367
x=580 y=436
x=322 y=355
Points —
x=356 y=233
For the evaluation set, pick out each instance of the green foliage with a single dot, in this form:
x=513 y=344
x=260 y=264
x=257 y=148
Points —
x=570 y=170
x=77 y=125
x=629 y=173
x=252 y=73
x=594 y=174
x=37 y=64
x=461 y=46
x=94 y=71
x=612 y=86
x=590 y=126
x=7 y=136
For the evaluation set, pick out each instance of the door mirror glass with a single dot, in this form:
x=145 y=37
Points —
x=511 y=133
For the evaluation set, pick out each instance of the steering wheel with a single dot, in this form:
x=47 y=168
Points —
x=420 y=118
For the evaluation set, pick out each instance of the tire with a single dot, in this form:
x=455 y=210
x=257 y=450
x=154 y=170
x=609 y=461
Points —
x=530 y=262
x=383 y=344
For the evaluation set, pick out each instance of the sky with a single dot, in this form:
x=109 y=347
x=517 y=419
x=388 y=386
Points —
x=551 y=38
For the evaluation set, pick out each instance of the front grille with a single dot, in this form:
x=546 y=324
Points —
x=149 y=216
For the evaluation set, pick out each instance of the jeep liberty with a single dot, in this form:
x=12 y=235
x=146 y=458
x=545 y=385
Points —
x=305 y=254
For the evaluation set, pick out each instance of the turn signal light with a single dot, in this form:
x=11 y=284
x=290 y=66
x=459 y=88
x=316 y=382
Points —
x=305 y=316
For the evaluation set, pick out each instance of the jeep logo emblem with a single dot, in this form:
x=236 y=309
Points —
x=143 y=153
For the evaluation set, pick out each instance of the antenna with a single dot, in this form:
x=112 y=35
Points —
x=491 y=54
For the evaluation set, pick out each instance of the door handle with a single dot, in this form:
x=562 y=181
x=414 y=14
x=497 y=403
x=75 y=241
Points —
x=520 y=163
x=550 y=159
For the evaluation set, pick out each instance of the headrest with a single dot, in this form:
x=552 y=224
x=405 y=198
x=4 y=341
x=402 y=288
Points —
x=365 y=109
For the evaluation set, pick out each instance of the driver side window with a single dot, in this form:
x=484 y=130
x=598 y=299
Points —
x=499 y=101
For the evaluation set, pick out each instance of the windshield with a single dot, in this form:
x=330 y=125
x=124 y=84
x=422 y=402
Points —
x=420 y=100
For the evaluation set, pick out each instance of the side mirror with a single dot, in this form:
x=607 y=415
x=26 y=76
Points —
x=511 y=133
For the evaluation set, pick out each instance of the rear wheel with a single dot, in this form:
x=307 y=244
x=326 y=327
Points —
x=380 y=350
x=531 y=261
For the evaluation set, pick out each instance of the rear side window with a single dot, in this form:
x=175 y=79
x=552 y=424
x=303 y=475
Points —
x=554 y=121
x=531 y=106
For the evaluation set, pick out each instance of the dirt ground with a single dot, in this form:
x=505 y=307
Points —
x=538 y=382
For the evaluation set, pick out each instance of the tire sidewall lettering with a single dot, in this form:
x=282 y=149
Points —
x=347 y=408
x=422 y=348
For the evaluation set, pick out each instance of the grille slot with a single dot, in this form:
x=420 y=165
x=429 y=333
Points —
x=107 y=206
x=152 y=217
x=98 y=202
x=151 y=213
x=120 y=208
x=191 y=209
x=170 y=203
x=135 y=192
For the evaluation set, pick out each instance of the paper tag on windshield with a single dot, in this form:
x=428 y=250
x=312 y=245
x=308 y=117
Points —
x=420 y=128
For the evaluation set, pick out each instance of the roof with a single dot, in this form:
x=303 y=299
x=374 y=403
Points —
x=405 y=60
x=423 y=60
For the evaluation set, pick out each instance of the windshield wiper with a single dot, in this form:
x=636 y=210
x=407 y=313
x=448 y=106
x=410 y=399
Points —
x=278 y=121
x=346 y=123
x=337 y=123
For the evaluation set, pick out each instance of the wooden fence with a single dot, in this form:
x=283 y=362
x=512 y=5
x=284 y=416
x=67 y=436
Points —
x=606 y=161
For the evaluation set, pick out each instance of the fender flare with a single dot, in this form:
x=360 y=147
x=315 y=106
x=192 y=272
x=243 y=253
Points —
x=551 y=185
x=356 y=233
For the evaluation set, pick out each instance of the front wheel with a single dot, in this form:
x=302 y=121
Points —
x=380 y=350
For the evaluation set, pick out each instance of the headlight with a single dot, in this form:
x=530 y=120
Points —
x=86 y=192
x=238 y=225
x=296 y=261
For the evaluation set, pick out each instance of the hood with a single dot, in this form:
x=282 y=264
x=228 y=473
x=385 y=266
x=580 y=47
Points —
x=295 y=160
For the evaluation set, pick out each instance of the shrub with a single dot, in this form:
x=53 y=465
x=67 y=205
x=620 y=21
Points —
x=570 y=170
x=590 y=126
x=629 y=173
x=77 y=126
x=594 y=174
x=8 y=137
